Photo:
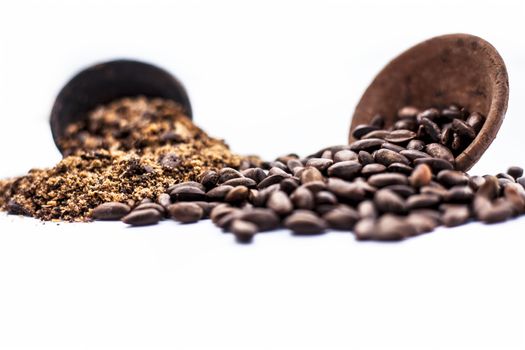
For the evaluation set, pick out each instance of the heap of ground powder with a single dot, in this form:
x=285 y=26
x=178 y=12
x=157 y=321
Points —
x=128 y=150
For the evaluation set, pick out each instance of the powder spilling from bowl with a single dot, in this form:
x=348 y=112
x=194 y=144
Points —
x=128 y=150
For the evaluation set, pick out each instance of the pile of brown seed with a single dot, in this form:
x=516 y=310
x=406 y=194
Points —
x=390 y=184
x=131 y=149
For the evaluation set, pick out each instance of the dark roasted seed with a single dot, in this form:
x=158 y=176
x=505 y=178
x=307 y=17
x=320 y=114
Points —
x=271 y=180
x=341 y=218
x=257 y=174
x=237 y=195
x=142 y=217
x=110 y=211
x=218 y=193
x=241 y=181
x=209 y=179
x=366 y=145
x=463 y=129
x=244 y=231
x=515 y=171
x=187 y=193
x=387 y=201
x=305 y=222
x=400 y=136
x=374 y=168
x=345 y=155
x=186 y=212
x=382 y=180
x=365 y=158
x=416 y=145
x=400 y=168
x=346 y=170
x=437 y=150
x=363 y=129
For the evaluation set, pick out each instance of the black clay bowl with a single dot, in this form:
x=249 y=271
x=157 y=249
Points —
x=105 y=82
x=456 y=68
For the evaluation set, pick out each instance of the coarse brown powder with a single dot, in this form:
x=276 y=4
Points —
x=131 y=149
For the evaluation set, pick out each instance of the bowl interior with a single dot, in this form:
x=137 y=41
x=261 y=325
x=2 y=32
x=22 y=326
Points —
x=457 y=68
x=105 y=82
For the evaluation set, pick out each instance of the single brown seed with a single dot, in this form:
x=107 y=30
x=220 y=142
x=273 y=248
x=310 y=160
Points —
x=437 y=150
x=164 y=200
x=387 y=201
x=244 y=231
x=387 y=157
x=110 y=211
x=240 y=181
x=187 y=193
x=366 y=145
x=431 y=129
x=400 y=136
x=367 y=210
x=463 y=129
x=476 y=121
x=515 y=171
x=364 y=229
x=363 y=129
x=142 y=217
x=271 y=180
x=416 y=145
x=400 y=168
x=346 y=170
x=345 y=155
x=374 y=168
x=320 y=163
x=186 y=212
x=264 y=219
x=218 y=193
x=305 y=222
x=279 y=202
x=365 y=158
x=311 y=174
x=302 y=198
x=341 y=218
x=209 y=179
x=256 y=174
x=226 y=174
x=451 y=178
x=382 y=180
x=237 y=194
x=289 y=185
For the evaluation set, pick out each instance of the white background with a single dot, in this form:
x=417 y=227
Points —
x=271 y=78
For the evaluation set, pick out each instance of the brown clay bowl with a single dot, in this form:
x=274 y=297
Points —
x=456 y=68
x=104 y=82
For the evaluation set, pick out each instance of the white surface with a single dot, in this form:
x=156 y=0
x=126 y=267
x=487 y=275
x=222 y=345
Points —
x=269 y=78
